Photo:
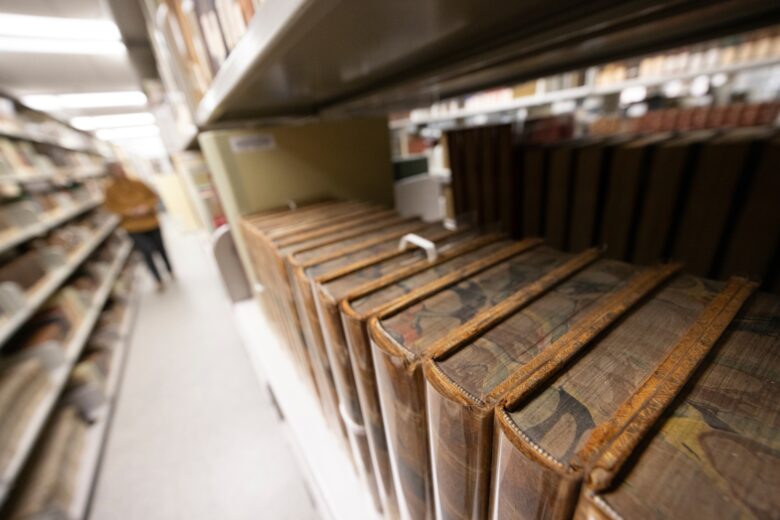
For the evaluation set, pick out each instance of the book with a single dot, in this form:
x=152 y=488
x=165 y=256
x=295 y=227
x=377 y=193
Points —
x=601 y=374
x=354 y=374
x=713 y=452
x=403 y=338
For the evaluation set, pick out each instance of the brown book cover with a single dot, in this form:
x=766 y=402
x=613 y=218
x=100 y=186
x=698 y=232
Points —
x=591 y=176
x=340 y=256
x=629 y=170
x=353 y=369
x=474 y=367
x=533 y=196
x=597 y=383
x=713 y=454
x=756 y=232
x=399 y=349
x=712 y=196
x=559 y=191
x=402 y=341
x=666 y=186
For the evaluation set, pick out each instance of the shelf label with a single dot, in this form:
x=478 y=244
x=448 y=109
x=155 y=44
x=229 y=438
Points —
x=252 y=143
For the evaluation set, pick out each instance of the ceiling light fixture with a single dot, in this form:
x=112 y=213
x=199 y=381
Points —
x=13 y=44
x=113 y=121
x=58 y=28
x=48 y=35
x=128 y=132
x=51 y=102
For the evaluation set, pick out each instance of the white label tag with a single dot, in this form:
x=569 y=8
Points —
x=252 y=143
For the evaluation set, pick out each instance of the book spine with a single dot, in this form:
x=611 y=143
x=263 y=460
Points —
x=558 y=195
x=461 y=440
x=315 y=346
x=533 y=191
x=359 y=345
x=346 y=390
x=402 y=397
x=527 y=481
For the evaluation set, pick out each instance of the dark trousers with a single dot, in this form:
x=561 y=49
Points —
x=149 y=242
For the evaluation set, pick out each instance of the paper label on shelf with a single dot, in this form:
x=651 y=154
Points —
x=252 y=143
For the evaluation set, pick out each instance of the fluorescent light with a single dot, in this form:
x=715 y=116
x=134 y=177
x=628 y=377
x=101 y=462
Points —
x=62 y=46
x=113 y=120
x=86 y=100
x=129 y=132
x=47 y=35
x=58 y=28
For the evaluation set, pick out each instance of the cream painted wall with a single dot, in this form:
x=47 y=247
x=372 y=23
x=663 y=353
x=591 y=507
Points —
x=264 y=168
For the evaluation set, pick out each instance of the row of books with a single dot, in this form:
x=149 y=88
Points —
x=704 y=198
x=40 y=210
x=684 y=119
x=741 y=49
x=27 y=267
x=20 y=160
x=474 y=376
x=22 y=123
x=204 y=32
x=754 y=47
x=52 y=477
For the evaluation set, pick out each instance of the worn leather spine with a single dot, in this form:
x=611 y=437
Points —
x=461 y=423
x=533 y=476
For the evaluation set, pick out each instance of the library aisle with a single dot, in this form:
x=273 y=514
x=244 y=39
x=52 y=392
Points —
x=195 y=434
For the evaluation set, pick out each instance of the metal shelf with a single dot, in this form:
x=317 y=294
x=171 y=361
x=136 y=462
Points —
x=73 y=173
x=98 y=431
x=577 y=93
x=24 y=136
x=59 y=377
x=335 y=57
x=46 y=287
x=50 y=222
x=336 y=490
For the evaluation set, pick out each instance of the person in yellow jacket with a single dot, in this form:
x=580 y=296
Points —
x=136 y=204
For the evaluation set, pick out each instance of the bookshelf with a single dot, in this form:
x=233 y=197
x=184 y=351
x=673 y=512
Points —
x=268 y=71
x=58 y=377
x=51 y=177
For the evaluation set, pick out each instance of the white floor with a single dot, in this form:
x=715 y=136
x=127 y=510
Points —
x=195 y=435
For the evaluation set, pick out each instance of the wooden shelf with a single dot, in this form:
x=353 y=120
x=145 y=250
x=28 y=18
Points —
x=50 y=221
x=46 y=287
x=338 y=493
x=72 y=349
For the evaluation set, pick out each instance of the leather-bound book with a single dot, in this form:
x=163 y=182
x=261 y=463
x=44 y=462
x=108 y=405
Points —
x=23 y=383
x=601 y=377
x=665 y=191
x=713 y=195
x=756 y=232
x=48 y=488
x=385 y=297
x=631 y=163
x=262 y=231
x=562 y=159
x=533 y=192
x=591 y=176
x=24 y=270
x=475 y=365
x=404 y=338
x=341 y=256
x=353 y=370
x=712 y=453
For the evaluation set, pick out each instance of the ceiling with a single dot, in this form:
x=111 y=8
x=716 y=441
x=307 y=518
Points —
x=24 y=73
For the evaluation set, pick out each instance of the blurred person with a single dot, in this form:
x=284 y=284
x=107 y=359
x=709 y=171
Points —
x=136 y=204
